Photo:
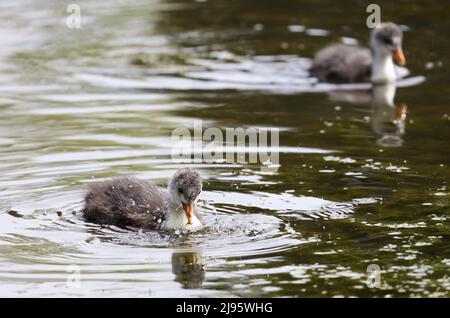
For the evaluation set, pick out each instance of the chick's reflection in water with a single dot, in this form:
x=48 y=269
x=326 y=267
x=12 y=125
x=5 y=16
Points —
x=188 y=268
x=388 y=119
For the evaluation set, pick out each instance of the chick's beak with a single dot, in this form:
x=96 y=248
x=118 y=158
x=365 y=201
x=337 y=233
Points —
x=189 y=210
x=399 y=56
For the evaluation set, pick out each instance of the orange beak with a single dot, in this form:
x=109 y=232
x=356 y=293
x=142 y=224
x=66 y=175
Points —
x=189 y=210
x=399 y=56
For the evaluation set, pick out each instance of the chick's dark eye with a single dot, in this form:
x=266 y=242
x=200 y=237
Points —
x=387 y=40
x=180 y=190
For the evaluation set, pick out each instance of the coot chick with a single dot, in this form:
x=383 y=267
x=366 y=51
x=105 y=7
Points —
x=138 y=203
x=340 y=63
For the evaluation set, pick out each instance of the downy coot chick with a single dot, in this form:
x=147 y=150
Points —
x=340 y=63
x=139 y=203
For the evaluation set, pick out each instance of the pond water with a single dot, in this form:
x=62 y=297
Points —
x=362 y=178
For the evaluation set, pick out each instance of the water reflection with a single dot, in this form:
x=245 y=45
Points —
x=388 y=119
x=188 y=268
